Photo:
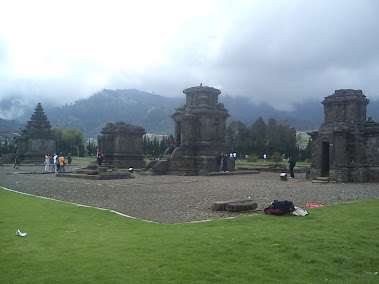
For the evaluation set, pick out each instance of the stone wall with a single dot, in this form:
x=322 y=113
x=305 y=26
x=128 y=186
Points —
x=121 y=145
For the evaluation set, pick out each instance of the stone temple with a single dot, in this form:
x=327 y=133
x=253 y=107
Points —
x=37 y=139
x=346 y=146
x=121 y=145
x=200 y=128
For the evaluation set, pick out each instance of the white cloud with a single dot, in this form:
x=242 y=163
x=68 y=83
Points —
x=281 y=52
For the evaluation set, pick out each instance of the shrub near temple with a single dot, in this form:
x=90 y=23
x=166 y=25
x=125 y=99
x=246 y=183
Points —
x=252 y=158
x=276 y=157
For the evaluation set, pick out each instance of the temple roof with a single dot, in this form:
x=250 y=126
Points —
x=38 y=123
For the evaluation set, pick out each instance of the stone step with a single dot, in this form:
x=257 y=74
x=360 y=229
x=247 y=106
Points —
x=321 y=180
x=234 y=173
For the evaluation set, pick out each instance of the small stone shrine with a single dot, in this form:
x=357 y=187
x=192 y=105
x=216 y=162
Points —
x=121 y=145
x=36 y=140
x=200 y=128
x=346 y=146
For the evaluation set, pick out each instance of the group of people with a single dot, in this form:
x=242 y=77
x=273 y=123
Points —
x=59 y=162
x=222 y=163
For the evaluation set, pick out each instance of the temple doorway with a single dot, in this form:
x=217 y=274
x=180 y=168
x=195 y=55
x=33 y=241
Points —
x=325 y=159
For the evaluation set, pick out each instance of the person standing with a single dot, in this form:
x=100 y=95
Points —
x=61 y=164
x=225 y=163
x=69 y=160
x=99 y=157
x=47 y=162
x=100 y=160
x=55 y=161
x=292 y=164
x=220 y=161
x=16 y=163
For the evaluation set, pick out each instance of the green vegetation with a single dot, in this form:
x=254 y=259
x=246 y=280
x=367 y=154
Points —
x=72 y=244
x=261 y=162
x=70 y=140
x=155 y=147
x=83 y=160
x=273 y=139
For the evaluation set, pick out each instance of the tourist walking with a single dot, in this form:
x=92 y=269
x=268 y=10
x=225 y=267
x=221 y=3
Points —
x=292 y=164
x=47 y=162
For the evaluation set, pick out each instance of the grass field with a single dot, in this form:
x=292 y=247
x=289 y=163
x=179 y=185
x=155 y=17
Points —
x=261 y=162
x=66 y=243
x=83 y=160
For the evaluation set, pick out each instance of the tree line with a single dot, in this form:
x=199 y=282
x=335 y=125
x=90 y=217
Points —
x=260 y=138
x=274 y=138
x=155 y=147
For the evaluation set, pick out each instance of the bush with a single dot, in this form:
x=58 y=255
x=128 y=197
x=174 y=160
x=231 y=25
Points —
x=276 y=157
x=252 y=158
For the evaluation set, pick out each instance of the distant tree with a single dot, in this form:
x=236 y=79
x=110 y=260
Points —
x=70 y=140
x=276 y=157
x=6 y=147
x=304 y=154
x=236 y=131
x=258 y=130
x=91 y=148
x=259 y=139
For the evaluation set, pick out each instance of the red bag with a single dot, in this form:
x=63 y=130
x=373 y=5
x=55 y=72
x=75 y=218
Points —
x=313 y=205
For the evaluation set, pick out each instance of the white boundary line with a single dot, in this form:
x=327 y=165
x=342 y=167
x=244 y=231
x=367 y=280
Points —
x=110 y=210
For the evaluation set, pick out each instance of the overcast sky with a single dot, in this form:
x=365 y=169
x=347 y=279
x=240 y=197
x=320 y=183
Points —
x=281 y=52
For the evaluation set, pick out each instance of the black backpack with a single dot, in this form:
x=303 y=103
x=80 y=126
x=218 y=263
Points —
x=280 y=208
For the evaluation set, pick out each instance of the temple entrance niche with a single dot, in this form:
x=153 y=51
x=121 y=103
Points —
x=325 y=159
x=200 y=128
x=37 y=139
x=346 y=146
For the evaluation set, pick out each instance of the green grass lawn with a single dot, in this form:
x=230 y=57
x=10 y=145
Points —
x=72 y=244
x=261 y=162
x=83 y=160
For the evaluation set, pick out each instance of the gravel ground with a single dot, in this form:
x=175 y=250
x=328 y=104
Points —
x=178 y=199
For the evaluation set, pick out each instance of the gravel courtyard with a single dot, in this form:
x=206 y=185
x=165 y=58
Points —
x=178 y=199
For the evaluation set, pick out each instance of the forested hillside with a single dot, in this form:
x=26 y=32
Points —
x=131 y=106
x=153 y=112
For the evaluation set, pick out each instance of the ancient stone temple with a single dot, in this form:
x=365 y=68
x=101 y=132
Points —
x=121 y=145
x=346 y=146
x=200 y=127
x=37 y=139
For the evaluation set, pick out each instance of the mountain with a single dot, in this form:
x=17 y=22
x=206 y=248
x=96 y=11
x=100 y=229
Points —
x=152 y=112
x=131 y=106
x=305 y=116
x=7 y=127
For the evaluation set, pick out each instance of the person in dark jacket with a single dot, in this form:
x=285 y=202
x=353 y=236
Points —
x=292 y=164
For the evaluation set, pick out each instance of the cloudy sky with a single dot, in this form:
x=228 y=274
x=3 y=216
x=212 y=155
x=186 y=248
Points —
x=281 y=52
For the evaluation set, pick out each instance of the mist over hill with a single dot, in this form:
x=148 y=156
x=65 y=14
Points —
x=152 y=112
